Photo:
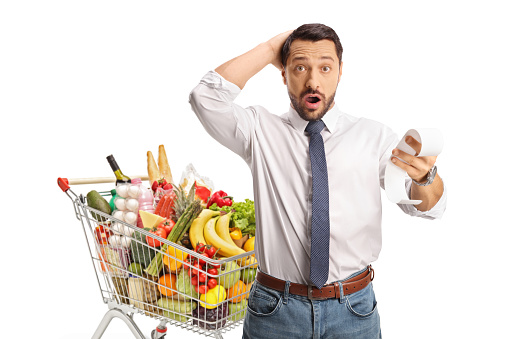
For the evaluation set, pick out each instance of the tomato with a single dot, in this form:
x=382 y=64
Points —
x=210 y=251
x=154 y=242
x=194 y=280
x=197 y=288
x=167 y=225
x=202 y=277
x=212 y=271
x=203 y=289
x=195 y=269
x=212 y=283
x=201 y=261
x=200 y=247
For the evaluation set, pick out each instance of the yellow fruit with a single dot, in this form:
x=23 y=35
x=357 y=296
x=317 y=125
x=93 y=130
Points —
x=196 y=229
x=249 y=244
x=224 y=248
x=174 y=257
x=214 y=297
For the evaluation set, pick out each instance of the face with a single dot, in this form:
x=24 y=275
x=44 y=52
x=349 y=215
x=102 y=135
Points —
x=312 y=75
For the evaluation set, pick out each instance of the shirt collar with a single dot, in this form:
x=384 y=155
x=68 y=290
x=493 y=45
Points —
x=330 y=119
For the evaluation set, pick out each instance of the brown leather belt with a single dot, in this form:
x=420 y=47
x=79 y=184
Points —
x=350 y=286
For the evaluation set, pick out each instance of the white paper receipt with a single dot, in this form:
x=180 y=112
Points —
x=432 y=143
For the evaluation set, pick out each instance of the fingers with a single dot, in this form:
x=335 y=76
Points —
x=416 y=145
x=416 y=167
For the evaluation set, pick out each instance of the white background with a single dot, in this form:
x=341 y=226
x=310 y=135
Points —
x=84 y=79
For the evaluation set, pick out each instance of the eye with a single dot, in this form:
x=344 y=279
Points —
x=326 y=68
x=300 y=68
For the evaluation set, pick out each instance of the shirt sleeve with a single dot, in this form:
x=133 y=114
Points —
x=228 y=123
x=389 y=142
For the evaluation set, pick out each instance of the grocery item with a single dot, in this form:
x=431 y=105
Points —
x=145 y=202
x=196 y=230
x=229 y=274
x=121 y=177
x=175 y=307
x=136 y=291
x=164 y=167
x=182 y=225
x=153 y=171
x=190 y=178
x=141 y=252
x=167 y=284
x=237 y=292
x=184 y=285
x=248 y=275
x=237 y=311
x=220 y=198
x=95 y=200
x=223 y=229
x=122 y=289
x=243 y=215
x=249 y=244
x=213 y=297
x=211 y=319
x=149 y=220
x=211 y=237
x=135 y=268
x=174 y=258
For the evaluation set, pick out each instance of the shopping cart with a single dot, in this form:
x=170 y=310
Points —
x=169 y=297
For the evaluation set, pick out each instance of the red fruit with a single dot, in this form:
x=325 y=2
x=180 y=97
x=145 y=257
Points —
x=201 y=261
x=211 y=251
x=154 y=186
x=212 y=283
x=212 y=271
x=202 y=277
x=194 y=280
x=167 y=187
x=195 y=269
x=203 y=289
x=197 y=288
x=200 y=247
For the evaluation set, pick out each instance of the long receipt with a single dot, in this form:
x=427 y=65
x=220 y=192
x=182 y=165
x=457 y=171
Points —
x=432 y=144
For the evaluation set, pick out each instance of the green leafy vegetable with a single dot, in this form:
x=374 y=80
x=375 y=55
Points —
x=243 y=215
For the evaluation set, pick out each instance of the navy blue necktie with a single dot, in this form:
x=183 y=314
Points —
x=320 y=230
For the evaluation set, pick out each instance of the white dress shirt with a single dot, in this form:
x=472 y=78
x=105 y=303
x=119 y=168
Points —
x=276 y=149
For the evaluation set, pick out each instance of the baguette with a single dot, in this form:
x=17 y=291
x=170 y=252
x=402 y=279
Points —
x=164 y=167
x=153 y=171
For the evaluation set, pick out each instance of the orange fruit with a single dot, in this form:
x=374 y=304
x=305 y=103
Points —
x=170 y=281
x=173 y=258
x=235 y=293
x=249 y=244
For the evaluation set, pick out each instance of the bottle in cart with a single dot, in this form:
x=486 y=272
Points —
x=121 y=177
x=145 y=200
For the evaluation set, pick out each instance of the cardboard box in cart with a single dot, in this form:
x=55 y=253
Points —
x=170 y=296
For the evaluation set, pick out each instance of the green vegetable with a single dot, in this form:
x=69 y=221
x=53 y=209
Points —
x=141 y=251
x=95 y=200
x=184 y=285
x=177 y=306
x=182 y=225
x=243 y=215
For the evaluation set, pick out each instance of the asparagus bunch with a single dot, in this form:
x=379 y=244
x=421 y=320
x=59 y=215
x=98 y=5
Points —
x=181 y=227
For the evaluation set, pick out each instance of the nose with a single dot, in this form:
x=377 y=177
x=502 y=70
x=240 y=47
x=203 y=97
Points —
x=312 y=80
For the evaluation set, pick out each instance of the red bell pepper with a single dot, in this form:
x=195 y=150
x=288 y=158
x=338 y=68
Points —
x=220 y=198
x=202 y=192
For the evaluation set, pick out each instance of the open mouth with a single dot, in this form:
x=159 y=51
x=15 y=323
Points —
x=312 y=101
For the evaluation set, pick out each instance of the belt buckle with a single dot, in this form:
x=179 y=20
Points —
x=310 y=294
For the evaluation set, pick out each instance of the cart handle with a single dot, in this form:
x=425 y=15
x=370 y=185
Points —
x=65 y=183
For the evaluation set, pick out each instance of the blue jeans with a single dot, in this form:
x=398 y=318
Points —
x=273 y=314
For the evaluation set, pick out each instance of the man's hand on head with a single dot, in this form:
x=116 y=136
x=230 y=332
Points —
x=276 y=44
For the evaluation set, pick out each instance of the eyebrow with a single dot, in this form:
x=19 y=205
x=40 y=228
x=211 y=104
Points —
x=305 y=58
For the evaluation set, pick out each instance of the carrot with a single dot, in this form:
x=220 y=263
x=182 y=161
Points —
x=160 y=205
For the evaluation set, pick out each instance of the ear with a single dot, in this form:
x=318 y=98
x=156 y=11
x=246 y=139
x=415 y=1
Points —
x=283 y=74
x=340 y=71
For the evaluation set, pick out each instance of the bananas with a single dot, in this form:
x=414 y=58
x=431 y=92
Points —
x=224 y=247
x=223 y=228
x=196 y=229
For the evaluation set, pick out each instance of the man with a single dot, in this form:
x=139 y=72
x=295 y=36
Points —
x=316 y=178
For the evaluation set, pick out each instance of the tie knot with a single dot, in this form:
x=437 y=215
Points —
x=315 y=126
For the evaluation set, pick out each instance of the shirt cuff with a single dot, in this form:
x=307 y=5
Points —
x=435 y=212
x=214 y=80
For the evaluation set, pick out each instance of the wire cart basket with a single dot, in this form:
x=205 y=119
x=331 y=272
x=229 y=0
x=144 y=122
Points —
x=170 y=297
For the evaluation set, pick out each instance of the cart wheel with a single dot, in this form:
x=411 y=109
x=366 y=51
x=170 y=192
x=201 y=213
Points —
x=157 y=335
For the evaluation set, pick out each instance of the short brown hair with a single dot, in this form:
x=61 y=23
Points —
x=311 y=32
